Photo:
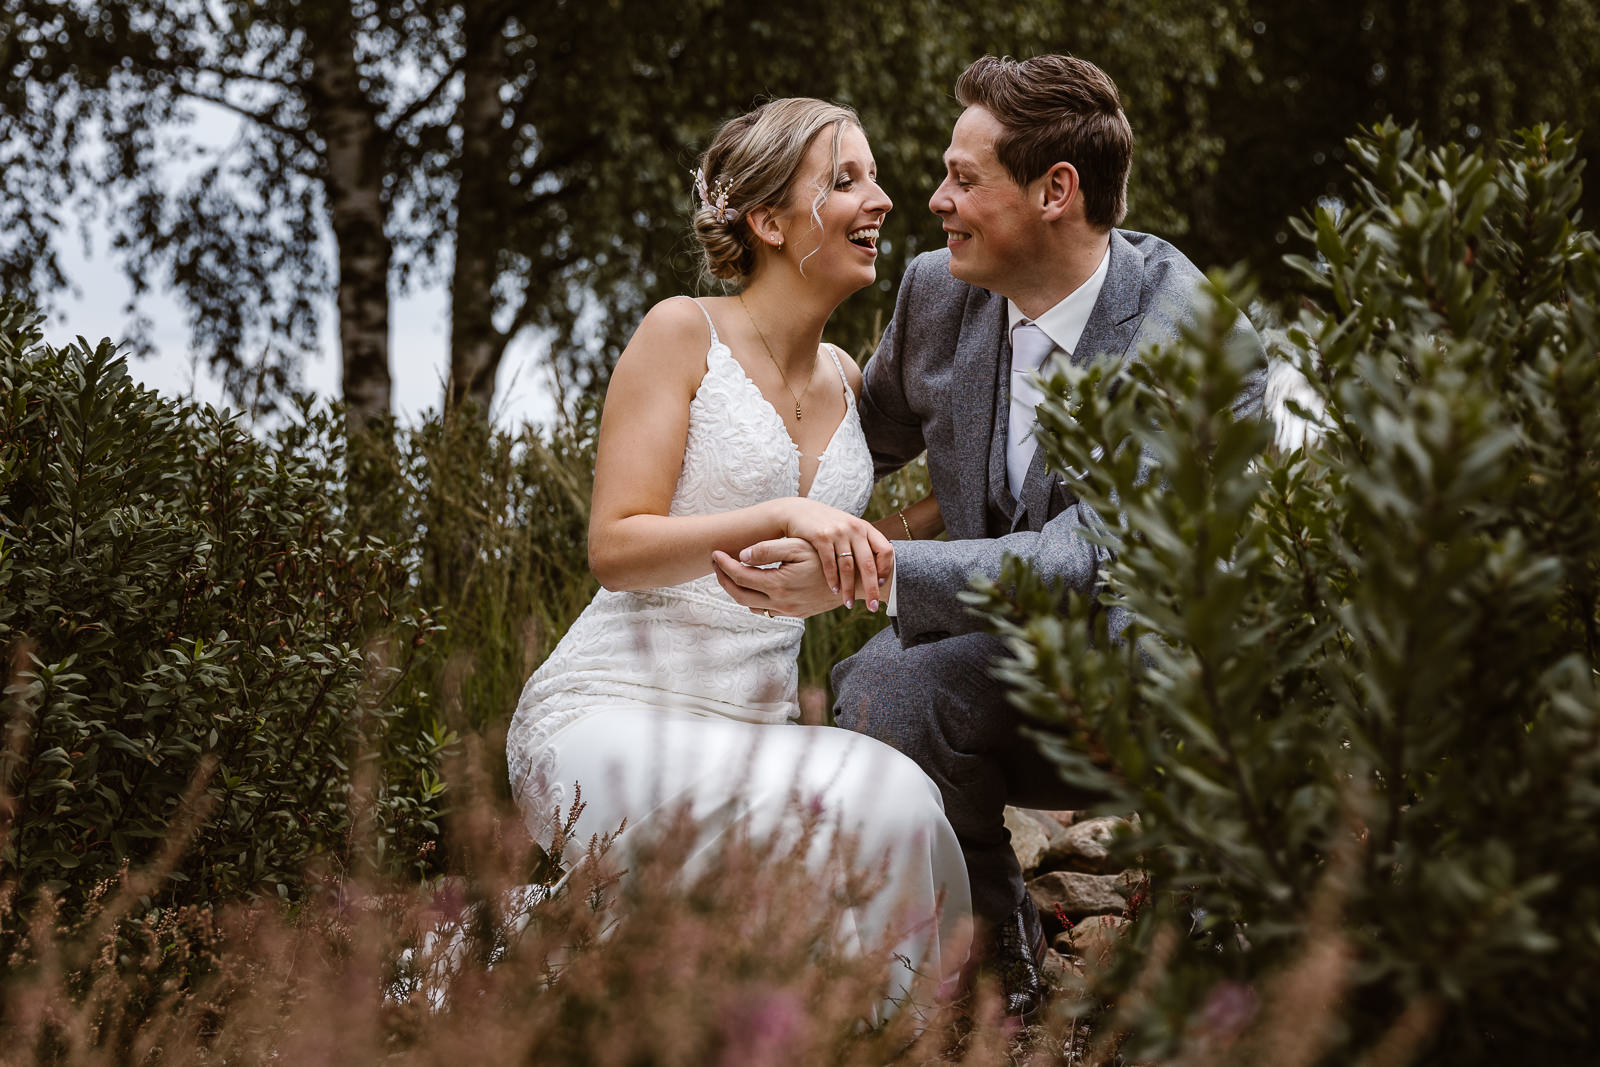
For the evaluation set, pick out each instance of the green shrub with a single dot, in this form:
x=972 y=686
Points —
x=1368 y=696
x=180 y=603
x=177 y=591
x=493 y=527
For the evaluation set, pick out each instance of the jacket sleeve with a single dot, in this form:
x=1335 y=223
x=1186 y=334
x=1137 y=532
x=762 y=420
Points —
x=930 y=576
x=893 y=429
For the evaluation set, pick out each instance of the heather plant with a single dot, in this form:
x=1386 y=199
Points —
x=1376 y=638
x=738 y=961
x=741 y=962
x=182 y=605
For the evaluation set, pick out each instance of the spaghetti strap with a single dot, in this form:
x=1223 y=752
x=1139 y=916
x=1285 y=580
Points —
x=833 y=351
x=707 y=314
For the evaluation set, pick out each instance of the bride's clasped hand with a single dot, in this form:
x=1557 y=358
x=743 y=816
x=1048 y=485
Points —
x=855 y=558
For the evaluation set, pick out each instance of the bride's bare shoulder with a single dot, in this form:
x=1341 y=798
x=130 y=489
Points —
x=680 y=318
x=674 y=335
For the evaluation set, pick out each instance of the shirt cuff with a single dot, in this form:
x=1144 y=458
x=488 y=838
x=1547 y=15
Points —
x=890 y=607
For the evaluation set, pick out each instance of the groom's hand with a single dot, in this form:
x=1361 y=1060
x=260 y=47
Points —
x=797 y=587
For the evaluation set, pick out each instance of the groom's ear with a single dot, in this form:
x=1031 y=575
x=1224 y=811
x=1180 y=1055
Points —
x=1058 y=191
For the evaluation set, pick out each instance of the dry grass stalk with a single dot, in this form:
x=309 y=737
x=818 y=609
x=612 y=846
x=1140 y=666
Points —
x=730 y=957
x=18 y=726
x=1406 y=1036
x=739 y=964
x=1134 y=1001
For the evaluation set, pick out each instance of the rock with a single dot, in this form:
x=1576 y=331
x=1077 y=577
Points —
x=1079 y=895
x=1094 y=940
x=1084 y=846
x=1028 y=837
x=1053 y=819
x=1060 y=968
x=1091 y=945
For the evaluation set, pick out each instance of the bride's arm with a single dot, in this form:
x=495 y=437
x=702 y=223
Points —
x=633 y=542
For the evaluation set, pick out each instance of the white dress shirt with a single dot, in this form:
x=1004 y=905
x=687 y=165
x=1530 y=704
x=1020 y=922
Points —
x=1063 y=324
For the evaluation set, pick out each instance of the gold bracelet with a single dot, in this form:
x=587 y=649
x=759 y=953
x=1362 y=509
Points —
x=909 y=535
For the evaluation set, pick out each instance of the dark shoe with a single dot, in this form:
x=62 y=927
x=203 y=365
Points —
x=1018 y=951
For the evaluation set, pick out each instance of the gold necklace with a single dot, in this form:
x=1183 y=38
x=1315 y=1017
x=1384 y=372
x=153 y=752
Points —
x=797 y=415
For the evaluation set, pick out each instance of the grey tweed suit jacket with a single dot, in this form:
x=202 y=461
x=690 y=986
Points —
x=932 y=385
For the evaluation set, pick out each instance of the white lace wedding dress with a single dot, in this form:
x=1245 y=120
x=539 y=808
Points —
x=681 y=696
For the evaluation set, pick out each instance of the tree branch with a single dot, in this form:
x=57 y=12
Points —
x=243 y=75
x=538 y=200
x=175 y=79
x=525 y=314
x=300 y=137
x=425 y=101
x=548 y=162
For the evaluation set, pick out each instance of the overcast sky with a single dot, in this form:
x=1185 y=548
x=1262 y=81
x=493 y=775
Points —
x=418 y=330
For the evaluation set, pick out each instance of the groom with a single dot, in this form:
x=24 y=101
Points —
x=1035 y=182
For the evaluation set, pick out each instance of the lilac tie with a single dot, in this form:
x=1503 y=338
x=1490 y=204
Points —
x=1030 y=346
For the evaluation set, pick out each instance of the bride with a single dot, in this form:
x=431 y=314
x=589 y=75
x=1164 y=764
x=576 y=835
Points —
x=729 y=421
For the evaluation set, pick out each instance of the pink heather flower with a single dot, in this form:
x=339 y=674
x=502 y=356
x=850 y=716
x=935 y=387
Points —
x=760 y=1026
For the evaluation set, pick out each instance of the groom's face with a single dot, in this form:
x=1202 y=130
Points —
x=989 y=227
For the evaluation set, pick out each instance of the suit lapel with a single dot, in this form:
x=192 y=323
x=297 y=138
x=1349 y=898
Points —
x=977 y=377
x=1117 y=313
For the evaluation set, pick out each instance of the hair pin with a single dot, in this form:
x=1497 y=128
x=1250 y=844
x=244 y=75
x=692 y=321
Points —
x=716 y=197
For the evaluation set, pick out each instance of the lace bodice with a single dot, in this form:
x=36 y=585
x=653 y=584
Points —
x=739 y=453
x=691 y=645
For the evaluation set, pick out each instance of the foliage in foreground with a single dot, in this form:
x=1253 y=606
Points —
x=1380 y=646
x=736 y=964
x=739 y=963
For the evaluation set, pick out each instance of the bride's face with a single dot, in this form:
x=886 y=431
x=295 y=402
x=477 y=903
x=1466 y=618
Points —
x=844 y=247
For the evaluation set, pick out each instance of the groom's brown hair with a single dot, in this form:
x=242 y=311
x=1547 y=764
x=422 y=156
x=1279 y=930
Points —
x=1057 y=109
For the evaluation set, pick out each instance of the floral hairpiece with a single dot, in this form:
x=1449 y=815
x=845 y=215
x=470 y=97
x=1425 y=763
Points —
x=716 y=198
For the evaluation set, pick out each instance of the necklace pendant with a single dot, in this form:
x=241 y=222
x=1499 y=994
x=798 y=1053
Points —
x=797 y=415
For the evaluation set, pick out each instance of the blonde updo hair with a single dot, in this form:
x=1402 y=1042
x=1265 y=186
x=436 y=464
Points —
x=756 y=159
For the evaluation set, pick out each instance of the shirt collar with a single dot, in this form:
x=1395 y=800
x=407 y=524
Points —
x=1064 y=323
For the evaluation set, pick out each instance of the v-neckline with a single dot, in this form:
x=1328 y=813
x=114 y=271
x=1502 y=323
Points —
x=787 y=436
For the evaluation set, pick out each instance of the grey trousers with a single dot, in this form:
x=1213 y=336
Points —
x=939 y=704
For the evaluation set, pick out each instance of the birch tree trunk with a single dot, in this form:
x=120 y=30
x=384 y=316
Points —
x=344 y=119
x=475 y=344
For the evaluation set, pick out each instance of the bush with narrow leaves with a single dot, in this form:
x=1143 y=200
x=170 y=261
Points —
x=1380 y=646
